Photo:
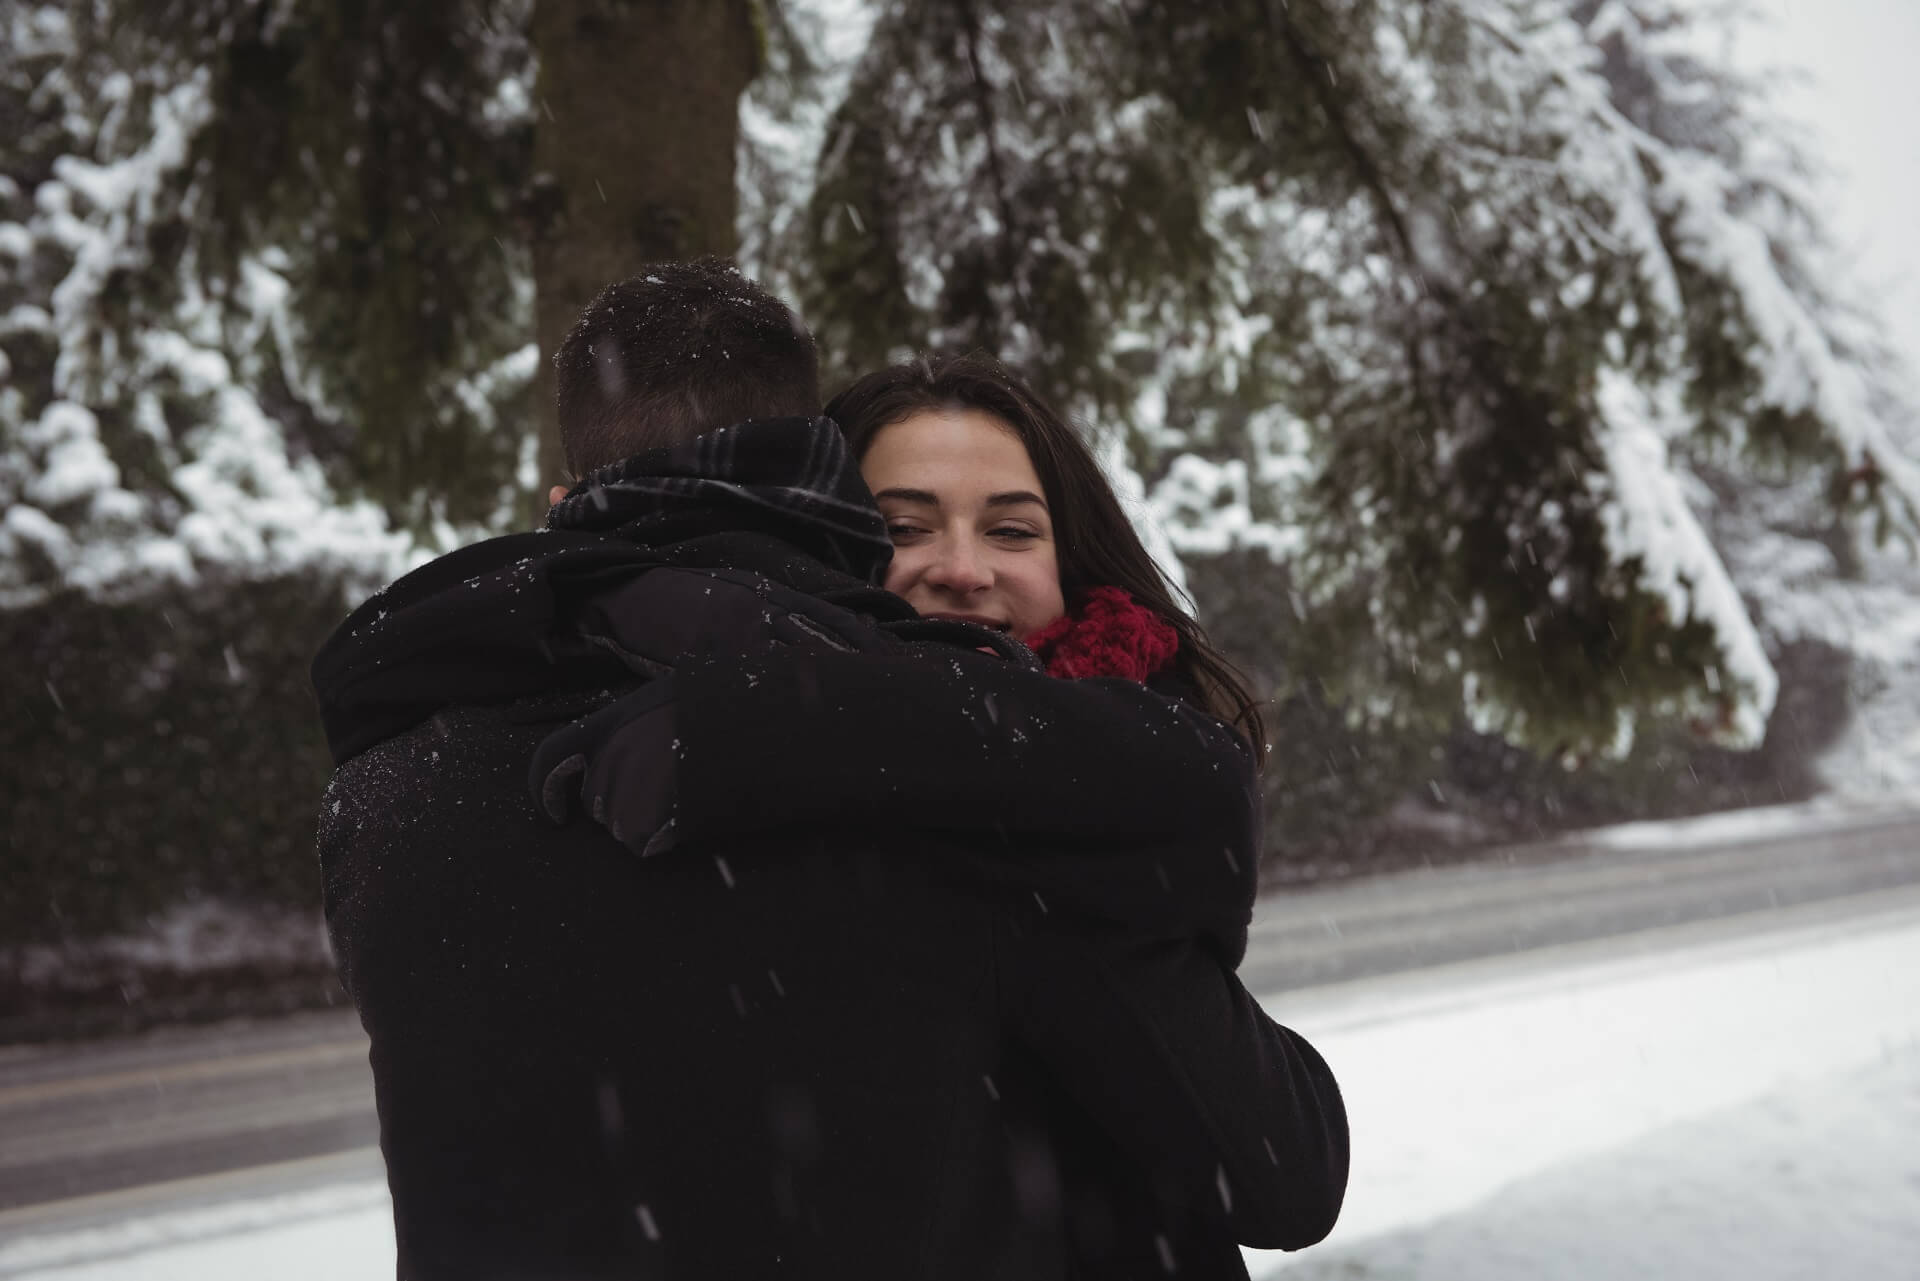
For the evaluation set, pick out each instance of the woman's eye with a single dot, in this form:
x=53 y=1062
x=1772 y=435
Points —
x=1014 y=533
x=897 y=530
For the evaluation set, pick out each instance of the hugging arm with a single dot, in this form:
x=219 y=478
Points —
x=953 y=741
x=1125 y=803
x=1239 y=1118
x=1099 y=796
x=790 y=711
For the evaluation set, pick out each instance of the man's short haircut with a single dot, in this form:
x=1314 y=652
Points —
x=681 y=349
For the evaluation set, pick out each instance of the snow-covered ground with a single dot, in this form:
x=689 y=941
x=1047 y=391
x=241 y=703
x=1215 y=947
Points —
x=344 y=1231
x=1818 y=1179
x=1733 y=1104
x=1734 y=827
x=1623 y=1115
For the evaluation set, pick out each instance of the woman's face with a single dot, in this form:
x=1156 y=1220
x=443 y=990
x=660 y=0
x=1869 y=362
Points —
x=972 y=536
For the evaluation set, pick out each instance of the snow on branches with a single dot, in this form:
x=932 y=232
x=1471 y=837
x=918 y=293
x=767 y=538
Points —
x=1389 y=291
x=160 y=420
x=1442 y=312
x=132 y=452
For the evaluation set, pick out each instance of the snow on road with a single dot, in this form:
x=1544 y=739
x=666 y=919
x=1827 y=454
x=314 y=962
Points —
x=1650 y=1072
x=344 y=1231
x=1742 y=826
x=1720 y=1107
x=1820 y=1179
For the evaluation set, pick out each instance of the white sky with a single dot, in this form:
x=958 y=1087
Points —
x=1864 y=105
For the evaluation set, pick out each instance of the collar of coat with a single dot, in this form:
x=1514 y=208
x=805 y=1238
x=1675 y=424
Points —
x=493 y=622
x=791 y=477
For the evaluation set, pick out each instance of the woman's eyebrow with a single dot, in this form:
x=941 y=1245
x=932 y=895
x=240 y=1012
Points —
x=1015 y=497
x=926 y=496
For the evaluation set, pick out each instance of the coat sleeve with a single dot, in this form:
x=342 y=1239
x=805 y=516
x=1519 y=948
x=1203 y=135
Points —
x=1238 y=1118
x=957 y=742
x=1098 y=797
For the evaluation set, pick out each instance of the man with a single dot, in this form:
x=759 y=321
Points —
x=747 y=1036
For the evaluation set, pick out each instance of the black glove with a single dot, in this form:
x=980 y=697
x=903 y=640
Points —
x=667 y=616
x=620 y=760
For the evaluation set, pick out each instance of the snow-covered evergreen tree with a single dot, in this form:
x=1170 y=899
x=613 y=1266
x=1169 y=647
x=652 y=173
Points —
x=290 y=250
x=189 y=371
x=1445 y=320
x=128 y=449
x=1433 y=306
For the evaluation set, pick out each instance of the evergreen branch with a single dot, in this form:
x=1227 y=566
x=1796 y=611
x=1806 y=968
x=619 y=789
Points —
x=996 y=171
x=1312 y=66
x=1371 y=177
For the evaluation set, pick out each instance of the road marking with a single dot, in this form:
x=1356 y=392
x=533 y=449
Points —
x=236 y=1065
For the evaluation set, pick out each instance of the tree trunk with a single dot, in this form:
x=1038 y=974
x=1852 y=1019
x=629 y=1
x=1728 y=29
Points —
x=639 y=114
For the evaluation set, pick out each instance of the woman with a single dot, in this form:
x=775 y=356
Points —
x=1000 y=515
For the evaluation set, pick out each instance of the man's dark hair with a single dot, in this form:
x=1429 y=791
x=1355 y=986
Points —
x=680 y=349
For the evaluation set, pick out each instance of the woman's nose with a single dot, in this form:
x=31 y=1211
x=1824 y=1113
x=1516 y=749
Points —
x=957 y=567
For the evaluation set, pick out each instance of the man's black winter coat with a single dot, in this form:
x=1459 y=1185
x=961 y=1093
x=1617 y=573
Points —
x=937 y=981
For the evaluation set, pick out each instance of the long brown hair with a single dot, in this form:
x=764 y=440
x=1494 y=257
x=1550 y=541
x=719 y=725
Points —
x=1097 y=543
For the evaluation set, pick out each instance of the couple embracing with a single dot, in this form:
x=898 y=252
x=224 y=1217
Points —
x=823 y=851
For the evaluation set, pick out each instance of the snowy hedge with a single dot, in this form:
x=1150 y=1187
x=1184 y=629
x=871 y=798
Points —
x=159 y=751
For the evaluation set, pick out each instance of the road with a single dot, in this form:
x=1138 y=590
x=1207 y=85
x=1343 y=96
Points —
x=1572 y=891
x=90 y=1132
x=95 y=1132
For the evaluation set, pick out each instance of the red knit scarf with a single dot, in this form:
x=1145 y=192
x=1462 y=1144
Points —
x=1111 y=634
